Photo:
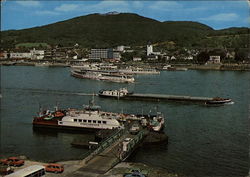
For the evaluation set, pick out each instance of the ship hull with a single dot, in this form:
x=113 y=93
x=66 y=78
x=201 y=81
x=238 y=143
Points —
x=44 y=125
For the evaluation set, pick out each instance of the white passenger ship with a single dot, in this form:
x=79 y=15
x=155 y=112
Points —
x=89 y=118
x=137 y=70
x=102 y=75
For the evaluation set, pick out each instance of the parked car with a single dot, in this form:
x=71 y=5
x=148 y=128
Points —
x=134 y=129
x=5 y=169
x=12 y=161
x=136 y=172
x=54 y=168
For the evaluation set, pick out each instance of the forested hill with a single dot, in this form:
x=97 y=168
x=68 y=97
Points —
x=108 y=30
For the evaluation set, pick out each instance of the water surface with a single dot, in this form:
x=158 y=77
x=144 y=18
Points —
x=203 y=141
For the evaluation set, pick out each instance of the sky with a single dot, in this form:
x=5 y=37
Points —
x=216 y=14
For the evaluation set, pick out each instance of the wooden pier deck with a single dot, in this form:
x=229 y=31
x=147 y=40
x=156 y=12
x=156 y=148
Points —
x=161 y=97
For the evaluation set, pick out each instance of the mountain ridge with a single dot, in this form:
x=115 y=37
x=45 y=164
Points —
x=98 y=30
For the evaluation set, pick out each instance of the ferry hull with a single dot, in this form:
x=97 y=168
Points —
x=59 y=127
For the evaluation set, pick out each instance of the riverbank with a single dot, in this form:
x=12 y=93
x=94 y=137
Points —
x=218 y=67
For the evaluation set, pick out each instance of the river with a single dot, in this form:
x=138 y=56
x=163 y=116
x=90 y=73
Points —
x=203 y=140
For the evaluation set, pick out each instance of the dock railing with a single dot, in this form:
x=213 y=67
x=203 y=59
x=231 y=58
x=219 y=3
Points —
x=103 y=145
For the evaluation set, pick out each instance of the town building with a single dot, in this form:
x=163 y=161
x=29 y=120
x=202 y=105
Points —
x=152 y=57
x=37 y=54
x=149 y=50
x=137 y=59
x=122 y=48
x=99 y=54
x=188 y=57
x=172 y=58
x=20 y=55
x=3 y=55
x=213 y=60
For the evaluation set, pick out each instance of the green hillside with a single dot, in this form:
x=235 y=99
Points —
x=97 y=30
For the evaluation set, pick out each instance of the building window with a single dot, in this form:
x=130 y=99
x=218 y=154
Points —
x=75 y=120
x=104 y=122
x=84 y=120
x=99 y=121
x=94 y=121
x=89 y=121
x=80 y=120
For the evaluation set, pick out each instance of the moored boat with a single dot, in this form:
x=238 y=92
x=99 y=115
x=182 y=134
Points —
x=171 y=68
x=114 y=93
x=89 y=118
x=132 y=70
x=92 y=118
x=101 y=75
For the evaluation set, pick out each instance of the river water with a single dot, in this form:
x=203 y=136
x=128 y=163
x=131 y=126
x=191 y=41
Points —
x=203 y=141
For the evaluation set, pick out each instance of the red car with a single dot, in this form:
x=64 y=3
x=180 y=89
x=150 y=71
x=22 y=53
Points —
x=12 y=161
x=54 y=168
x=5 y=170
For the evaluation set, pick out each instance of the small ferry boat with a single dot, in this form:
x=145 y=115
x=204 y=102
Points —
x=101 y=75
x=114 y=93
x=218 y=101
x=42 y=64
x=171 y=68
x=131 y=70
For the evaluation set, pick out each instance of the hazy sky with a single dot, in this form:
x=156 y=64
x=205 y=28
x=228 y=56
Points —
x=217 y=14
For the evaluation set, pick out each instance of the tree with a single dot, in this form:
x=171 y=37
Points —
x=203 y=57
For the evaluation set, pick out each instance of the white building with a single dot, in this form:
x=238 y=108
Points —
x=149 y=50
x=136 y=58
x=19 y=55
x=116 y=55
x=97 y=54
x=120 y=48
x=173 y=58
x=37 y=54
x=214 y=59
x=189 y=58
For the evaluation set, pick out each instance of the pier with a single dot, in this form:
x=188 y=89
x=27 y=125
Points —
x=110 y=152
x=161 y=97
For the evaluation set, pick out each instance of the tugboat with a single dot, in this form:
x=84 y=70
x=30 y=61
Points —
x=218 y=101
x=157 y=123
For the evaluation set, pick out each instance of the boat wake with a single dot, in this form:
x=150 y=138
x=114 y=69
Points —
x=57 y=92
x=230 y=102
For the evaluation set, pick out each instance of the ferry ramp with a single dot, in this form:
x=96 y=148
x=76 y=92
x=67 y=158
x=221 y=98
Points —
x=108 y=154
